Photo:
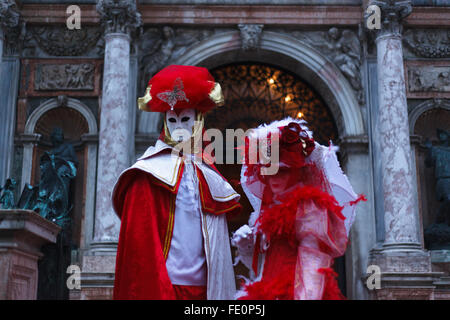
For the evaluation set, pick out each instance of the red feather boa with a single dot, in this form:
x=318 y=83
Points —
x=278 y=221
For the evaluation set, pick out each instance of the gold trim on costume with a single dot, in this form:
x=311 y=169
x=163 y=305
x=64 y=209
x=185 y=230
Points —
x=226 y=197
x=168 y=237
x=142 y=102
x=203 y=202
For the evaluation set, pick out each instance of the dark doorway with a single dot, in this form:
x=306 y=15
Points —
x=260 y=93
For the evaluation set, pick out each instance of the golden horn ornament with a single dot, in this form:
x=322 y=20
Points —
x=142 y=102
x=216 y=95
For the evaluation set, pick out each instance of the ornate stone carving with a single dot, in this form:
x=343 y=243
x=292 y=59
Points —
x=159 y=47
x=64 y=76
x=14 y=39
x=392 y=14
x=119 y=15
x=429 y=79
x=9 y=14
x=343 y=47
x=12 y=28
x=60 y=41
x=428 y=43
x=250 y=36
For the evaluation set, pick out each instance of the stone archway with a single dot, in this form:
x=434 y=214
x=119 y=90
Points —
x=424 y=119
x=84 y=129
x=288 y=53
x=291 y=54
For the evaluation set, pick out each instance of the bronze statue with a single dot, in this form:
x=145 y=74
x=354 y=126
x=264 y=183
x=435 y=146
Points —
x=58 y=168
x=7 y=197
x=437 y=236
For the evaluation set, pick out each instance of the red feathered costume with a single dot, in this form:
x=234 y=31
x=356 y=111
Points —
x=298 y=226
x=146 y=197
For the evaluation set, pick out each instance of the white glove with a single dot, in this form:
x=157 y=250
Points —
x=243 y=239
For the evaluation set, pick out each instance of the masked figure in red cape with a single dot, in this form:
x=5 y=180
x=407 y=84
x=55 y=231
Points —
x=301 y=220
x=174 y=241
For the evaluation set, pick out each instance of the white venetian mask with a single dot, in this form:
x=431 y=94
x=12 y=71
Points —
x=180 y=126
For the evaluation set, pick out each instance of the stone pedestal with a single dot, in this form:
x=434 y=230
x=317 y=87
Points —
x=440 y=262
x=22 y=234
x=97 y=277
x=404 y=274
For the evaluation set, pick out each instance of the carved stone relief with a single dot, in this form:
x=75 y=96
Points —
x=158 y=47
x=60 y=41
x=428 y=79
x=11 y=27
x=341 y=46
x=56 y=77
x=9 y=14
x=250 y=36
x=427 y=43
x=64 y=76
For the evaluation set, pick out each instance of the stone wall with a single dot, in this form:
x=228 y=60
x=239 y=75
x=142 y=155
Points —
x=321 y=41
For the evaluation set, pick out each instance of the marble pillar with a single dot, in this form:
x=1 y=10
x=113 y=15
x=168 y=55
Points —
x=400 y=215
x=2 y=38
x=119 y=19
x=114 y=137
x=404 y=265
x=392 y=132
x=9 y=72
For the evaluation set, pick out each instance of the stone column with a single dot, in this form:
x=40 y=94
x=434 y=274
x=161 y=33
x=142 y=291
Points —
x=401 y=225
x=9 y=20
x=404 y=265
x=355 y=160
x=119 y=19
x=2 y=38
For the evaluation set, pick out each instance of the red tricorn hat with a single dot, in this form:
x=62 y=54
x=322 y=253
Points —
x=181 y=87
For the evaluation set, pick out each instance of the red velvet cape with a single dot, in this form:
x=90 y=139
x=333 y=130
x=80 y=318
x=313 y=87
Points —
x=146 y=207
